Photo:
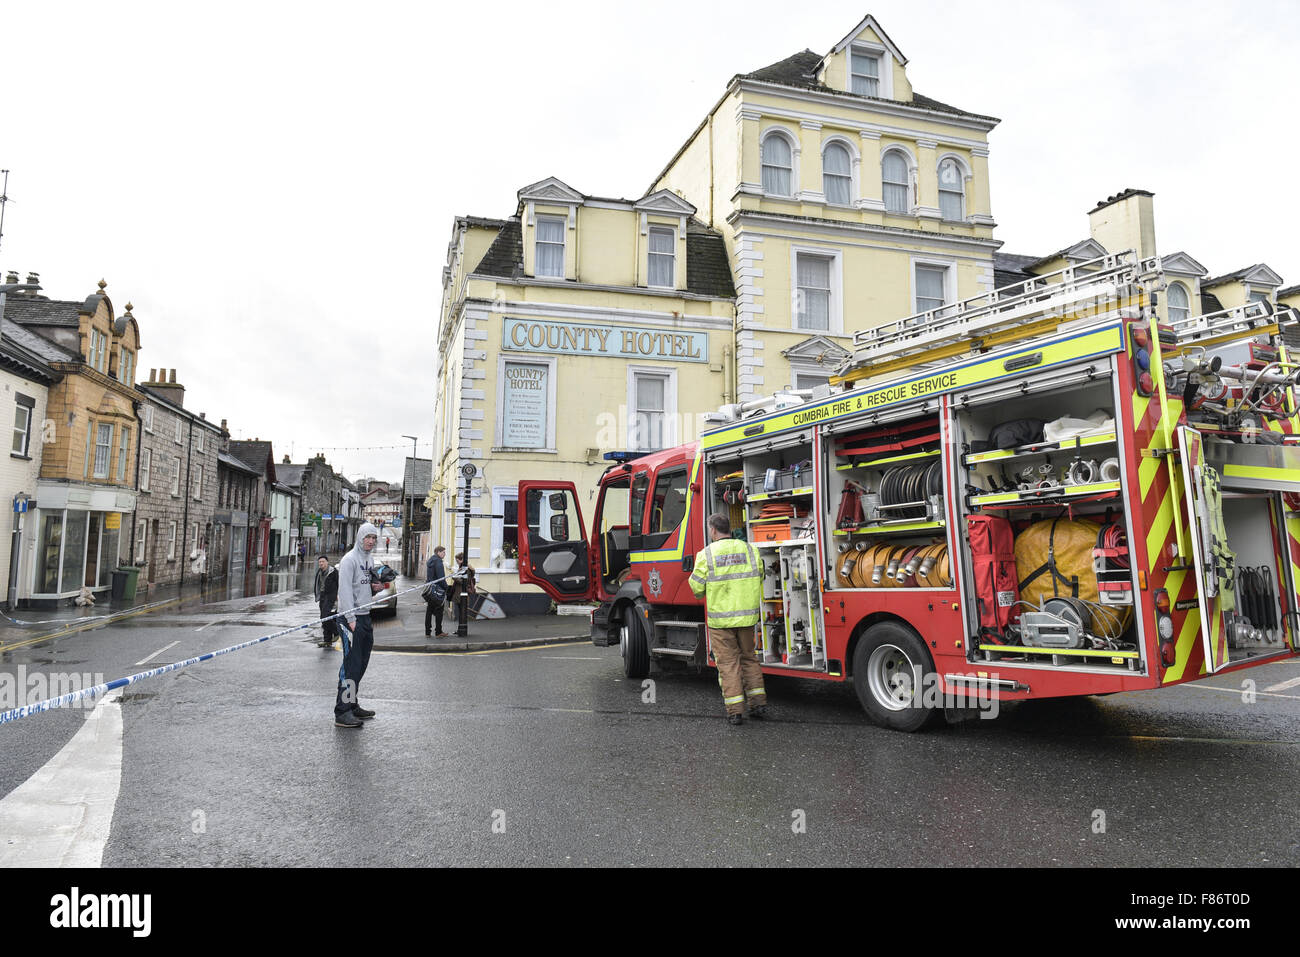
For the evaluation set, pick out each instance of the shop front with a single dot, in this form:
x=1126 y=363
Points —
x=77 y=533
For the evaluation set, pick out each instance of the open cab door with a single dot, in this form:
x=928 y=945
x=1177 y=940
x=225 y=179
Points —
x=554 y=553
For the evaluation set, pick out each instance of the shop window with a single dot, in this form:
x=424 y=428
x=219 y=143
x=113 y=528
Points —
x=72 y=577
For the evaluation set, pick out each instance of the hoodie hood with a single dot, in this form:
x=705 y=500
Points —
x=366 y=529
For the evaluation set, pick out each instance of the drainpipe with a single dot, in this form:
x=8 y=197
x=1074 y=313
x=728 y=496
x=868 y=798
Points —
x=189 y=485
x=139 y=433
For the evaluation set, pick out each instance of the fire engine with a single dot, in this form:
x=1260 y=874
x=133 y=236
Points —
x=1041 y=492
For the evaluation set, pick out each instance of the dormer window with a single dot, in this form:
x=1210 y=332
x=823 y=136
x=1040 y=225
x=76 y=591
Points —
x=1179 y=303
x=550 y=247
x=662 y=253
x=864 y=72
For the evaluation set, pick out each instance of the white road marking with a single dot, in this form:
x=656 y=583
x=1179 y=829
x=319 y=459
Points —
x=1240 y=691
x=208 y=625
x=61 y=815
x=573 y=658
x=1285 y=685
x=145 y=661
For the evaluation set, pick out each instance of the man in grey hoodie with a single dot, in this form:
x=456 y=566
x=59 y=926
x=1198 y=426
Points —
x=355 y=590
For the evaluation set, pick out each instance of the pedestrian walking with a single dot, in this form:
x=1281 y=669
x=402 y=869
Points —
x=436 y=592
x=729 y=576
x=356 y=590
x=326 y=590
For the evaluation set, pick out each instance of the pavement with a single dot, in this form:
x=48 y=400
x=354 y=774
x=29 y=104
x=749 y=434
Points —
x=402 y=632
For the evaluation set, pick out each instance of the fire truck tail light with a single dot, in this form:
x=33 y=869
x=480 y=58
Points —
x=1162 y=602
x=1168 y=654
x=1146 y=385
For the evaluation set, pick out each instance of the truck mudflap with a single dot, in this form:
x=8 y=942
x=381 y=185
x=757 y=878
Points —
x=603 y=632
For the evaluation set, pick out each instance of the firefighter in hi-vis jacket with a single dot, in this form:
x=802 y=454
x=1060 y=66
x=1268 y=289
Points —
x=729 y=575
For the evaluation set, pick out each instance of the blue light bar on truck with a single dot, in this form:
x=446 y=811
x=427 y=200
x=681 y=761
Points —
x=624 y=456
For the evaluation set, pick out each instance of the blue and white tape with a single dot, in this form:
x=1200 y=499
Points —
x=13 y=714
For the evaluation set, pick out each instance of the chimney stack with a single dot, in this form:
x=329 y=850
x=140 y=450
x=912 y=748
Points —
x=33 y=278
x=11 y=277
x=1126 y=220
x=169 y=389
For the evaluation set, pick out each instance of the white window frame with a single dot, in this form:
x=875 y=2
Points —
x=26 y=429
x=796 y=372
x=670 y=431
x=537 y=243
x=909 y=171
x=1187 y=296
x=198 y=483
x=527 y=359
x=869 y=54
x=125 y=365
x=146 y=467
x=835 y=309
x=123 y=452
x=500 y=495
x=884 y=66
x=651 y=254
x=141 y=536
x=171 y=540
x=792 y=142
x=108 y=451
x=176 y=420
x=949 y=268
x=854 y=164
x=146 y=416
x=198 y=441
x=176 y=475
x=964 y=175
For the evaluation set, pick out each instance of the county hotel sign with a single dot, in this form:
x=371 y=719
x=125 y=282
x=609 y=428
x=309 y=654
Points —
x=620 y=342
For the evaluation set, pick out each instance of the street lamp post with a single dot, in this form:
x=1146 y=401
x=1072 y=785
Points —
x=407 y=558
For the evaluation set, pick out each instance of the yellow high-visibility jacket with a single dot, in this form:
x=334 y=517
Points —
x=729 y=576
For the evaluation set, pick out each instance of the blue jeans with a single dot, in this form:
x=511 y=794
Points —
x=356 y=655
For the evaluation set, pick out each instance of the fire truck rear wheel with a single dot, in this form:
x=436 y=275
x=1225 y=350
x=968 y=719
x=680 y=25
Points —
x=634 y=645
x=887 y=664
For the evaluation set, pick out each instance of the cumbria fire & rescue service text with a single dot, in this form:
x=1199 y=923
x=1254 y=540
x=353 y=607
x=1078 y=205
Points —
x=912 y=390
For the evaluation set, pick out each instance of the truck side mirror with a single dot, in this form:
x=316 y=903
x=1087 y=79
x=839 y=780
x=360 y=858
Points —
x=559 y=528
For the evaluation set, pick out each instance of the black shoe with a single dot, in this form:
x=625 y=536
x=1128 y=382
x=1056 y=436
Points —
x=347 y=720
x=428 y=635
x=759 y=712
x=361 y=712
x=735 y=719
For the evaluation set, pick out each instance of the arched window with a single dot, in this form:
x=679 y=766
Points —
x=778 y=165
x=1179 y=303
x=837 y=174
x=952 y=191
x=896 y=182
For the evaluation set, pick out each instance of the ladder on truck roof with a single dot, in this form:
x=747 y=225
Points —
x=1013 y=313
x=1216 y=328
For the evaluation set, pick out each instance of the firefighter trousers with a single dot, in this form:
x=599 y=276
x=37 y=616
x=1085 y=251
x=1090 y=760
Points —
x=738 y=670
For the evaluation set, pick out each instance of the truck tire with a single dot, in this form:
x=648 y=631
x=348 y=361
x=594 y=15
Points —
x=886 y=664
x=634 y=644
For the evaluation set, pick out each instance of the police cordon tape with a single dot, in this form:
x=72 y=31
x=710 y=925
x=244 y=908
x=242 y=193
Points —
x=64 y=622
x=13 y=714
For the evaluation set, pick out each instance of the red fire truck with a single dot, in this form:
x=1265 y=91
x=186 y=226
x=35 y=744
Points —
x=1041 y=492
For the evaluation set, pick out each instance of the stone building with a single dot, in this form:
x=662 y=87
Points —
x=236 y=496
x=321 y=491
x=260 y=457
x=172 y=527
x=86 y=482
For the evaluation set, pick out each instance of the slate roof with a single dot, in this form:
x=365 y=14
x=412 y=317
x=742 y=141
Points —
x=417 y=478
x=1289 y=291
x=290 y=475
x=481 y=222
x=800 y=71
x=1010 y=269
x=257 y=454
x=35 y=343
x=229 y=461
x=708 y=268
x=39 y=310
x=1231 y=276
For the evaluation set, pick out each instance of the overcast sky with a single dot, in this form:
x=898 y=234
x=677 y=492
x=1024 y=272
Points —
x=272 y=185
